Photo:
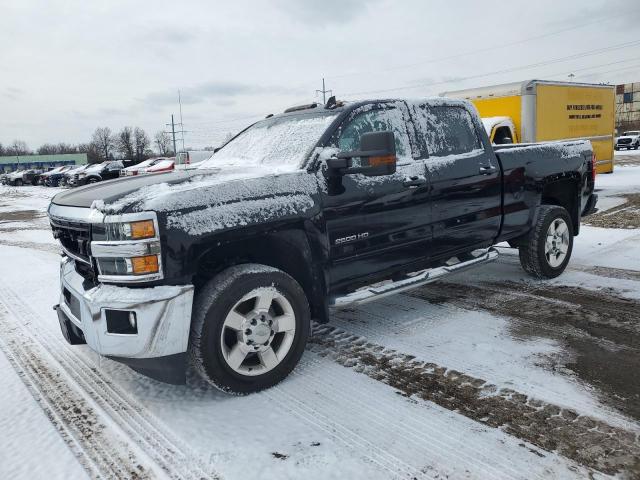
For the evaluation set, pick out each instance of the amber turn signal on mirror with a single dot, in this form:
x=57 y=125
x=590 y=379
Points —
x=380 y=161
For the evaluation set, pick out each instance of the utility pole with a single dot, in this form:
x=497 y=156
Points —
x=181 y=125
x=324 y=92
x=173 y=134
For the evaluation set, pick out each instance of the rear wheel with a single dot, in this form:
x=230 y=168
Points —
x=249 y=327
x=546 y=250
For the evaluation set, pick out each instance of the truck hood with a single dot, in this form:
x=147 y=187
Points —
x=112 y=190
x=198 y=192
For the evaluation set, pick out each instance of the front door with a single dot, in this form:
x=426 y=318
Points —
x=377 y=224
x=464 y=178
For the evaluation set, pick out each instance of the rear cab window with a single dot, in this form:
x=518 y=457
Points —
x=446 y=130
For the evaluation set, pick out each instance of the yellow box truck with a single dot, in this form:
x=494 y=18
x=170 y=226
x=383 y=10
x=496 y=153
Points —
x=540 y=110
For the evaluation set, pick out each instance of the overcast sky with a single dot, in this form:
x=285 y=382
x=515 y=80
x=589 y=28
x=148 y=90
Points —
x=67 y=67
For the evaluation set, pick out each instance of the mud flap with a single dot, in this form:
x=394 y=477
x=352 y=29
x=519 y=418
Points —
x=169 y=369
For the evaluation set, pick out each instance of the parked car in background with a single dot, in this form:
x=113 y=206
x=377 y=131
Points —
x=140 y=167
x=628 y=140
x=52 y=177
x=98 y=172
x=68 y=177
x=24 y=177
x=163 y=166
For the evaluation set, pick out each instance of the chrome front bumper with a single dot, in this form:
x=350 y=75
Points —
x=163 y=315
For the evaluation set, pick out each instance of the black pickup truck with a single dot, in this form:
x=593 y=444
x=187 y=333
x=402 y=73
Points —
x=320 y=207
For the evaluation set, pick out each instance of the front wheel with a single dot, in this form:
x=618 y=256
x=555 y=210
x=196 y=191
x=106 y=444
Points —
x=547 y=249
x=249 y=327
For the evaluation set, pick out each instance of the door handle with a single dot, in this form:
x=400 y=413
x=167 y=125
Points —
x=414 y=181
x=487 y=169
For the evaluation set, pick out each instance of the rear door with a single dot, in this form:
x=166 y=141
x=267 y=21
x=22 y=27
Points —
x=377 y=224
x=464 y=178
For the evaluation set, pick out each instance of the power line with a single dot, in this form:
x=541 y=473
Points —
x=484 y=49
x=506 y=70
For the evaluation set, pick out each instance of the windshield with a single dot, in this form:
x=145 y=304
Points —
x=280 y=143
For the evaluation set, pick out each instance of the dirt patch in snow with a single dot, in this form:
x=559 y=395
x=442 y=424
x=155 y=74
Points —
x=600 y=331
x=628 y=159
x=20 y=216
x=44 y=247
x=589 y=442
x=626 y=215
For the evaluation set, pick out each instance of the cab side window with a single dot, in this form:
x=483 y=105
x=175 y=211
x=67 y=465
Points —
x=447 y=130
x=377 y=120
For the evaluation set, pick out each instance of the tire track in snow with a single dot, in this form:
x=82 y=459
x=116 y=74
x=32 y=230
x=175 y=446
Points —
x=420 y=434
x=96 y=447
x=345 y=435
x=171 y=455
x=400 y=315
x=591 y=443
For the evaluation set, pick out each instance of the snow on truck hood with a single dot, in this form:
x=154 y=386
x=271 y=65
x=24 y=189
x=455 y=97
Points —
x=188 y=189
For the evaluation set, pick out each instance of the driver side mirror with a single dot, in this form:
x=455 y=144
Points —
x=377 y=153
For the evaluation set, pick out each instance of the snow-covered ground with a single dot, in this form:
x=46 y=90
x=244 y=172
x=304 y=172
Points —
x=485 y=375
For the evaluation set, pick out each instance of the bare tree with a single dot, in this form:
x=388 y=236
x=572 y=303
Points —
x=66 y=148
x=163 y=142
x=125 y=143
x=55 y=149
x=93 y=155
x=18 y=147
x=103 y=142
x=141 y=143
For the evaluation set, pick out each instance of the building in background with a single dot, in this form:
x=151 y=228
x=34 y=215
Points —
x=627 y=107
x=12 y=163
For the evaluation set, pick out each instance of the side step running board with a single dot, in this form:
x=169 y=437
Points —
x=413 y=280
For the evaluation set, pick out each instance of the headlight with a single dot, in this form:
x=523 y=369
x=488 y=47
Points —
x=138 y=230
x=144 y=265
x=127 y=248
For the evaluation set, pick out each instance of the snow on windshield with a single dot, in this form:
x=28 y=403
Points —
x=280 y=142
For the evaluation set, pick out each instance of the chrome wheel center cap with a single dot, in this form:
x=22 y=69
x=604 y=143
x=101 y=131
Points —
x=259 y=330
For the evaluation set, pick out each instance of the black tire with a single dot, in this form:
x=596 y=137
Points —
x=18 y=183
x=93 y=180
x=532 y=247
x=212 y=304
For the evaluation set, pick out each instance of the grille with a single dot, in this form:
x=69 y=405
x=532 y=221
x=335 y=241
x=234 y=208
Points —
x=75 y=237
